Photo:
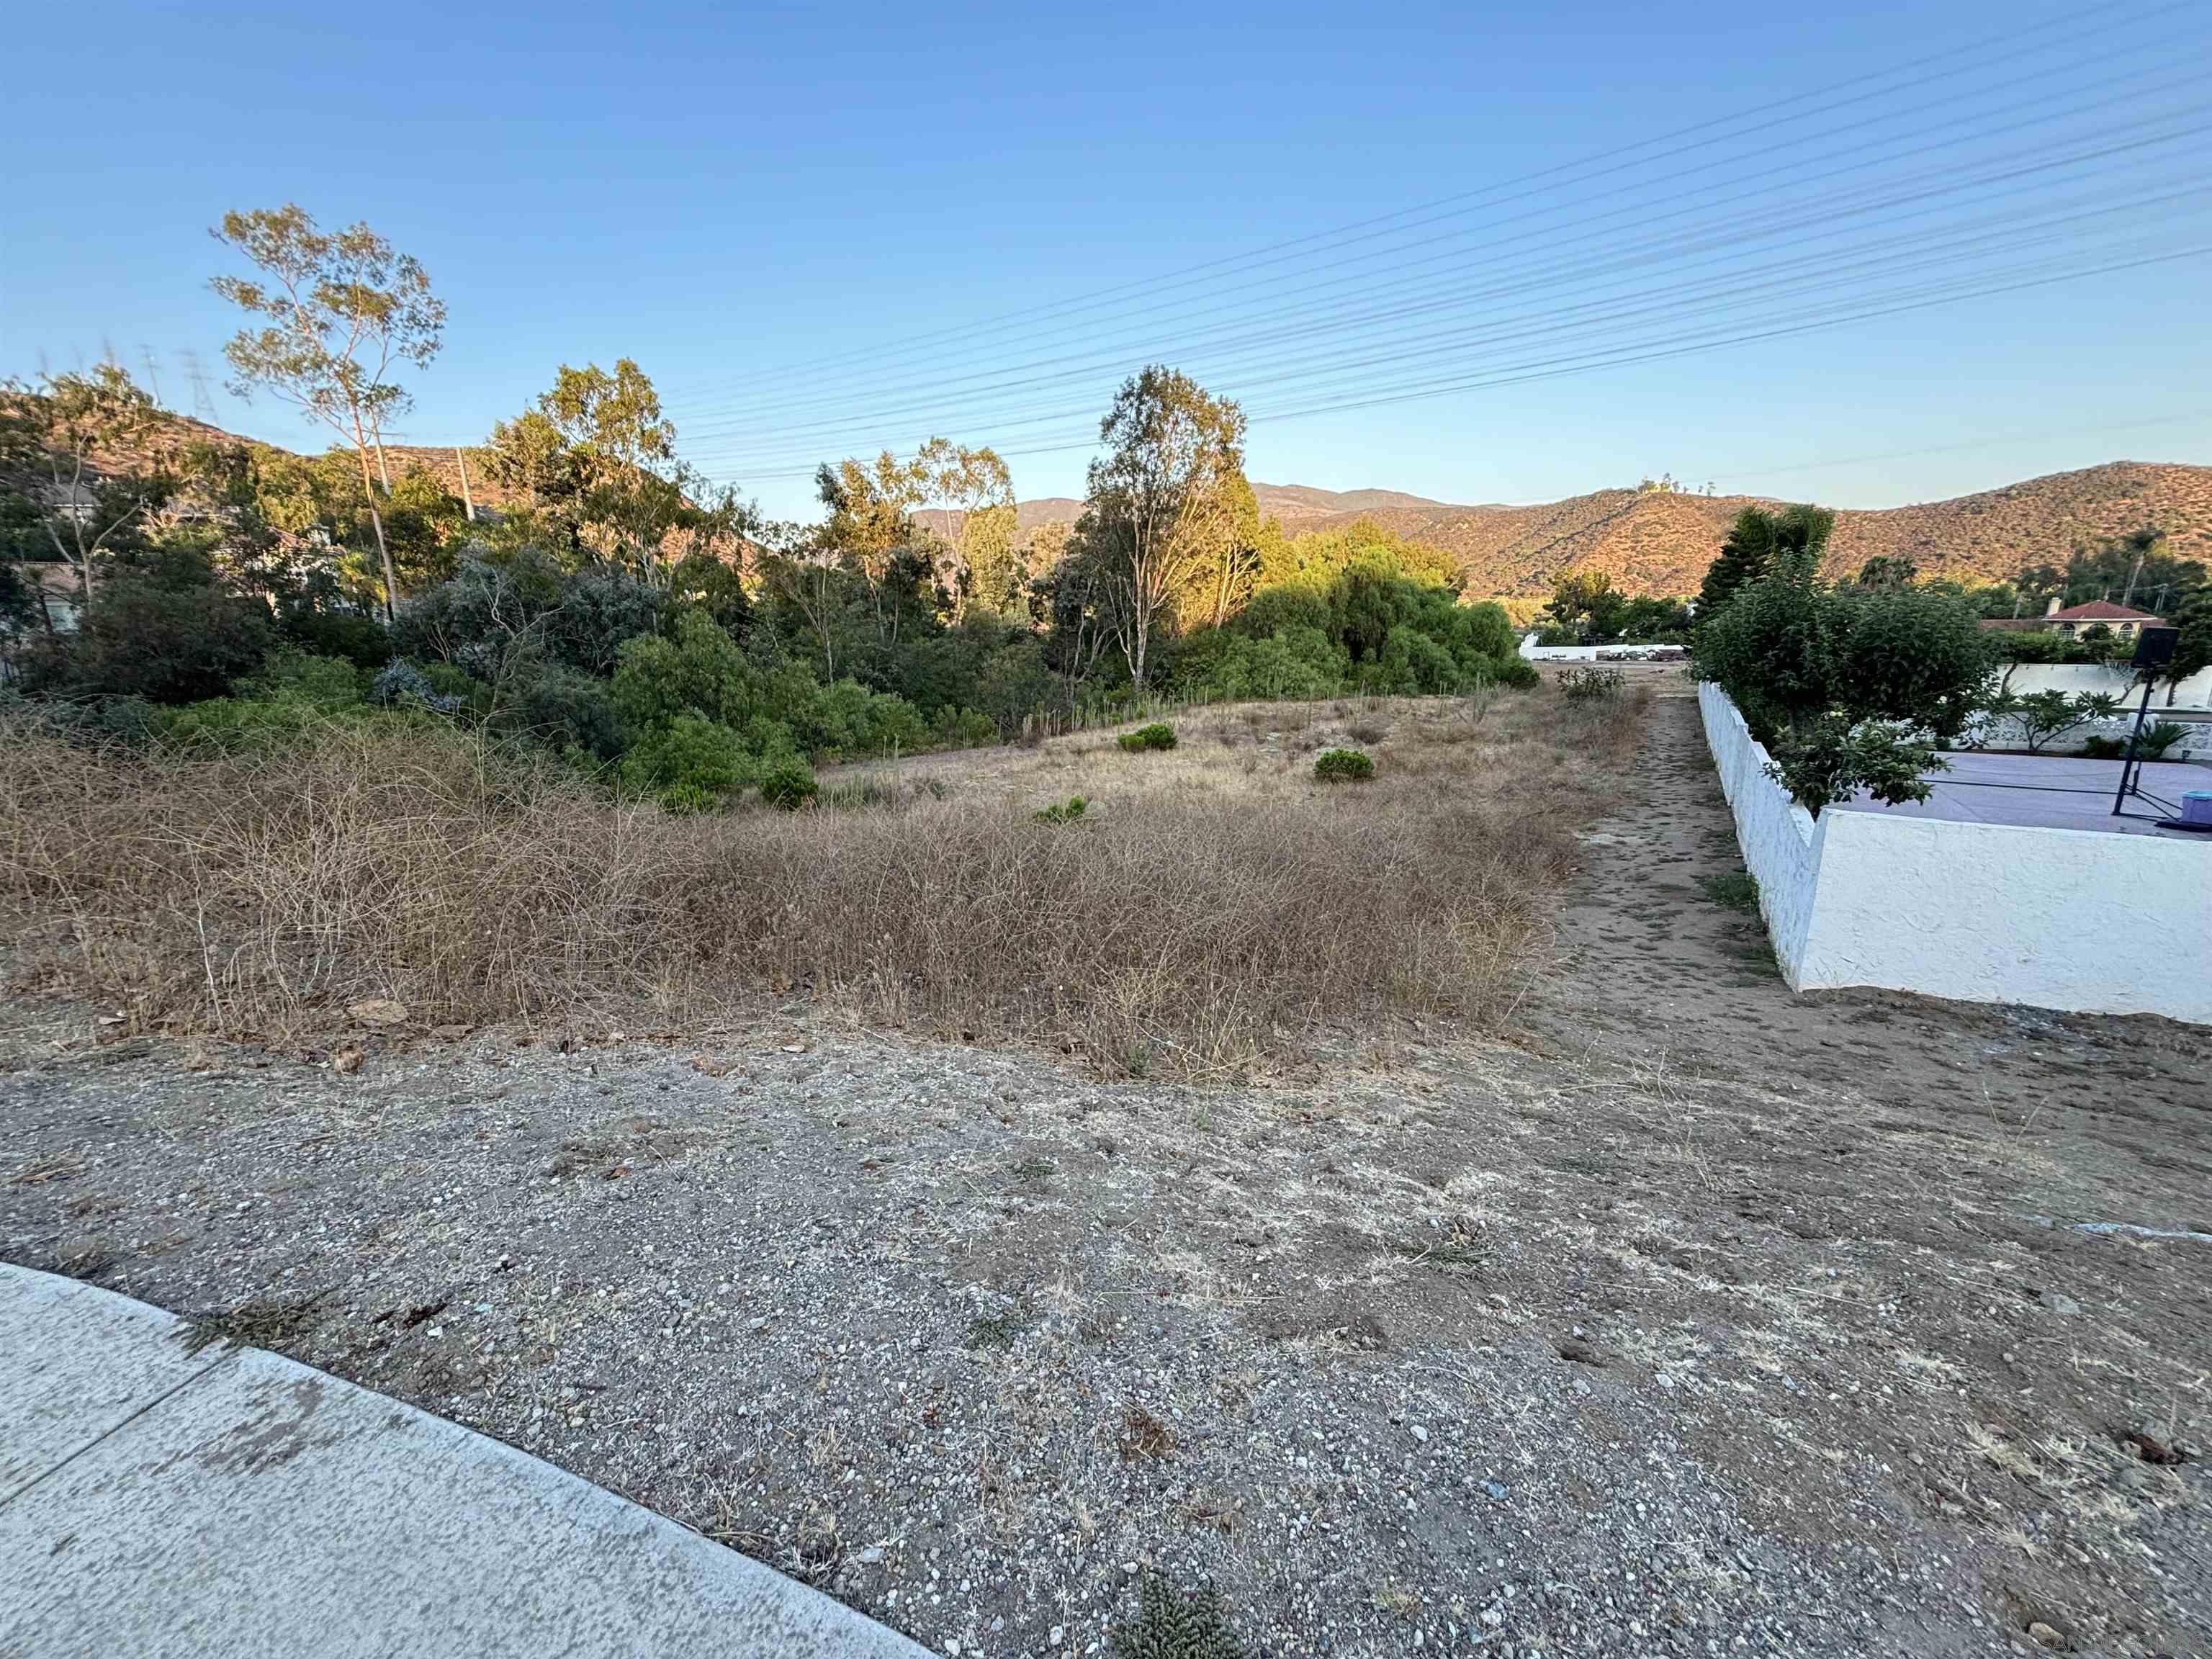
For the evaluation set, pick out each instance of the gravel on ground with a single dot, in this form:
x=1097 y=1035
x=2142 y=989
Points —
x=1699 y=1319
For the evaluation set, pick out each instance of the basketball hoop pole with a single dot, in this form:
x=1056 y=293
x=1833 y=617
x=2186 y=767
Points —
x=2153 y=651
x=2128 y=766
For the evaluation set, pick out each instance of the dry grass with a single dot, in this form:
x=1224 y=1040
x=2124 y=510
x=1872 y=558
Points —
x=1214 y=907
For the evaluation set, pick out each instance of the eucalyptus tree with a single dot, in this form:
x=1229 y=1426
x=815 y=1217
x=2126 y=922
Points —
x=1171 y=453
x=335 y=315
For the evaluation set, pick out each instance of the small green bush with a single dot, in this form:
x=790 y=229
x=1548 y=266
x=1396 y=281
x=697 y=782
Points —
x=689 y=764
x=964 y=728
x=1732 y=889
x=860 y=793
x=1592 y=684
x=1169 y=1625
x=1344 y=766
x=1517 y=672
x=2103 y=748
x=1825 y=761
x=787 y=781
x=2157 y=737
x=1157 y=735
x=1066 y=811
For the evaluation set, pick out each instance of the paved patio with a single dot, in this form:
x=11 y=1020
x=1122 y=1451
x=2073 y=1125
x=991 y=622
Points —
x=2051 y=792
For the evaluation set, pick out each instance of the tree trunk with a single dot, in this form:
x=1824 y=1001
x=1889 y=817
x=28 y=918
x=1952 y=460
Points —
x=376 y=522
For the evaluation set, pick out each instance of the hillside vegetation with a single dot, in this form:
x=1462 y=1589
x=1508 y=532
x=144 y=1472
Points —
x=1648 y=542
x=1653 y=542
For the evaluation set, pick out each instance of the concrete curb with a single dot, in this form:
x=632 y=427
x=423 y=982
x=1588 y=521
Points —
x=238 y=1504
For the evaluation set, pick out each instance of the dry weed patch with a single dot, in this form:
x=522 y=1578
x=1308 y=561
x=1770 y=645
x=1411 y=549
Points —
x=1212 y=907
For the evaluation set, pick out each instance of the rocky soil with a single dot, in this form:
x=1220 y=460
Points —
x=1700 y=1320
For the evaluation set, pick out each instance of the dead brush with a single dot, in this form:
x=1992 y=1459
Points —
x=1215 y=916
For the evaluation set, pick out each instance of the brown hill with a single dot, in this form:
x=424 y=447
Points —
x=1650 y=541
x=172 y=433
x=1660 y=542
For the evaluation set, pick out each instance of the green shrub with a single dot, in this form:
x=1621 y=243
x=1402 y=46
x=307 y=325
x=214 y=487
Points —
x=1829 y=759
x=787 y=781
x=1065 y=812
x=1592 y=684
x=689 y=763
x=330 y=683
x=2159 y=737
x=560 y=707
x=147 y=635
x=962 y=728
x=1517 y=672
x=1157 y=735
x=1344 y=766
x=236 y=723
x=1169 y=1625
x=1732 y=889
x=1789 y=650
x=361 y=641
x=2095 y=748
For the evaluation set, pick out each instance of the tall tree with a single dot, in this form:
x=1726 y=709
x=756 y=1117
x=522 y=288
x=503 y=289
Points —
x=1586 y=604
x=1170 y=453
x=2192 y=647
x=597 y=459
x=1224 y=536
x=82 y=445
x=870 y=528
x=977 y=493
x=2135 y=569
x=1888 y=570
x=341 y=311
x=1761 y=541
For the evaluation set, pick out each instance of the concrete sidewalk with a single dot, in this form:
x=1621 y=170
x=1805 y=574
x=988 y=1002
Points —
x=234 y=1503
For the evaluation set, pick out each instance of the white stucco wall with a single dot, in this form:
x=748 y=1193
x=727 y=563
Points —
x=1534 y=652
x=2008 y=913
x=1780 y=839
x=2188 y=709
x=2022 y=678
x=2071 y=918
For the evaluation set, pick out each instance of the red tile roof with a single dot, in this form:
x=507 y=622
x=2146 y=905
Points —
x=2101 y=610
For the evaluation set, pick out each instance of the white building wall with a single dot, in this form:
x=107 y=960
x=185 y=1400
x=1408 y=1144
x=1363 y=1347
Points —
x=2022 y=678
x=1780 y=839
x=2071 y=918
x=2011 y=913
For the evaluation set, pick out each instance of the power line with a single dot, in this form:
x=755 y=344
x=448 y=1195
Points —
x=1230 y=347
x=2182 y=418
x=2096 y=22
x=1431 y=341
x=1557 y=369
x=1640 y=205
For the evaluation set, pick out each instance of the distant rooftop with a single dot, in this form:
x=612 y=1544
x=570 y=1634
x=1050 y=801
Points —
x=2101 y=610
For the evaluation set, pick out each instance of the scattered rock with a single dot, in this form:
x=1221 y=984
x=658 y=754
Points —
x=2151 y=1449
x=379 y=1010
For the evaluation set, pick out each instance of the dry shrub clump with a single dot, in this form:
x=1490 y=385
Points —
x=1186 y=928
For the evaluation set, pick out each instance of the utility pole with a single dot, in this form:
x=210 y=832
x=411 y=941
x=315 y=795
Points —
x=468 y=506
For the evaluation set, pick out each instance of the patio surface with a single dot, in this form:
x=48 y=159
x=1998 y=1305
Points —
x=2051 y=792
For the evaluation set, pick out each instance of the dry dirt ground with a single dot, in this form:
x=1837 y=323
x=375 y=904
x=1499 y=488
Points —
x=1700 y=1320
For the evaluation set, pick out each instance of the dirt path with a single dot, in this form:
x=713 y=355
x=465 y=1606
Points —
x=1708 y=1319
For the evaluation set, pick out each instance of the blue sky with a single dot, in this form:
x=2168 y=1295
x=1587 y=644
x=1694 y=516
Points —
x=774 y=211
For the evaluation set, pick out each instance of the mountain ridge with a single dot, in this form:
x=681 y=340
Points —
x=1651 y=541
